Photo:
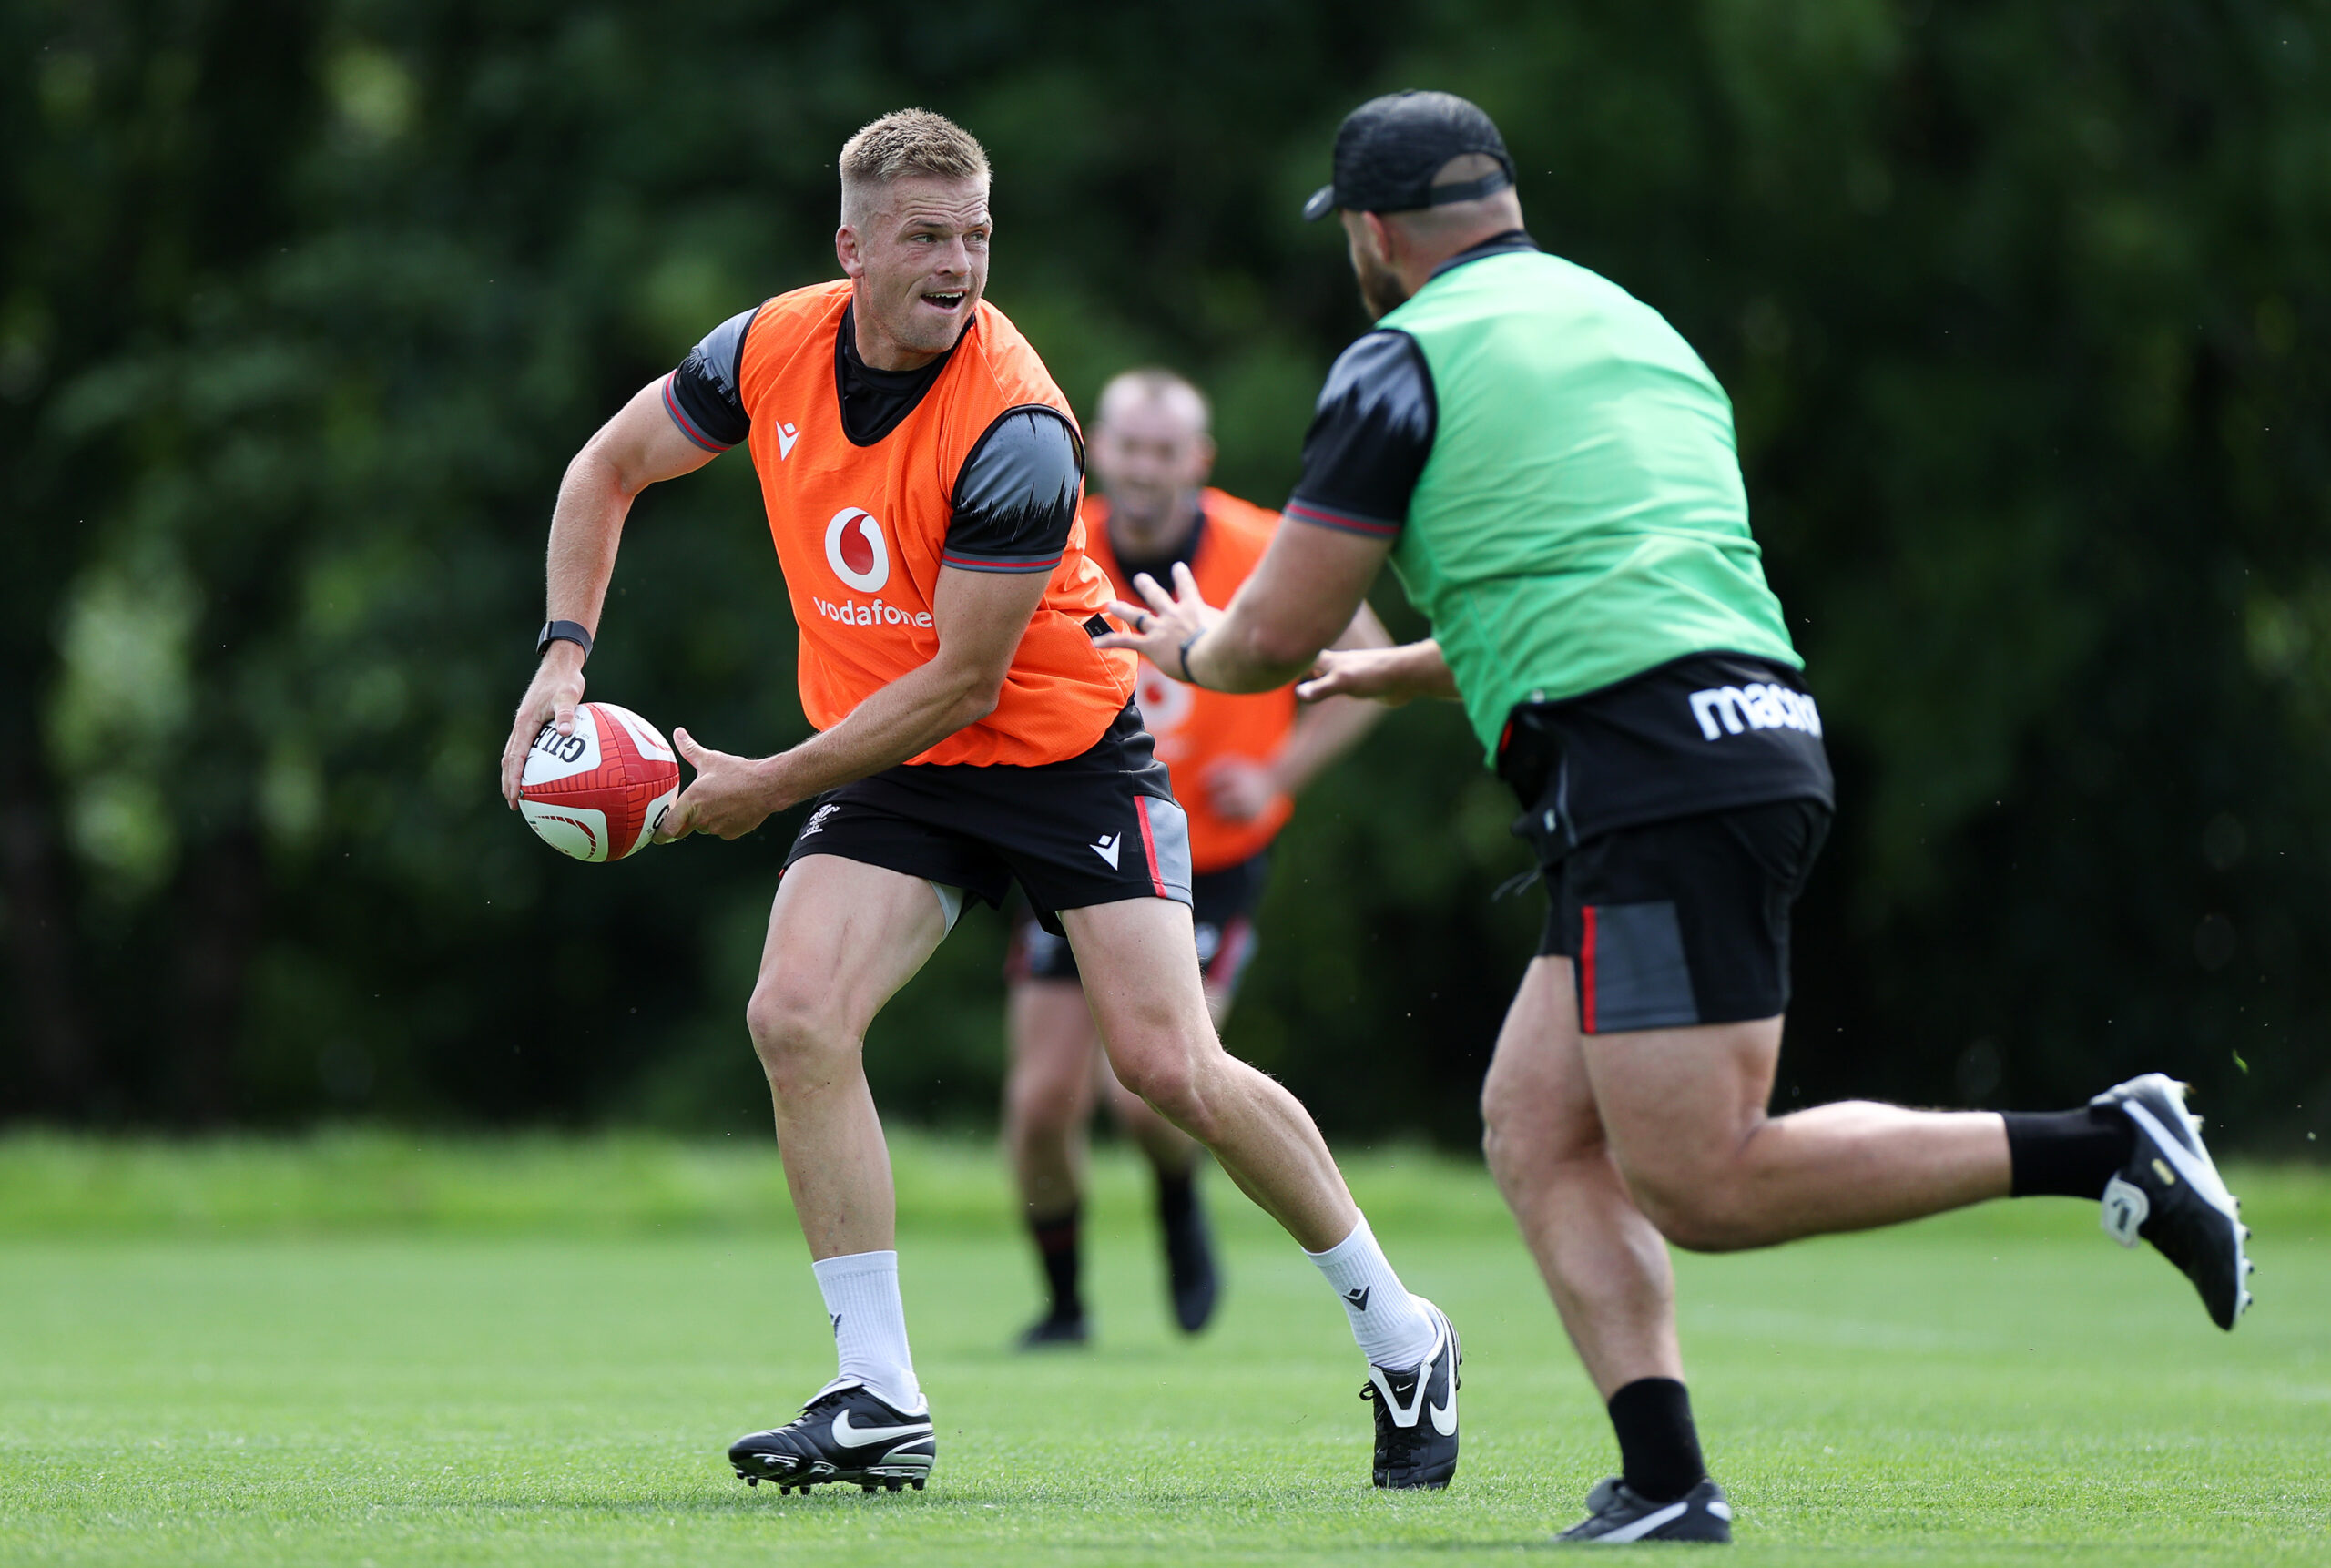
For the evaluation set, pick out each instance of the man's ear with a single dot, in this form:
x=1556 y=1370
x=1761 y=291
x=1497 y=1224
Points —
x=1383 y=238
x=1205 y=457
x=845 y=252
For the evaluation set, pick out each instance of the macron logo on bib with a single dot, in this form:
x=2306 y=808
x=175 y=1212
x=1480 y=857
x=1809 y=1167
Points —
x=1723 y=709
x=856 y=550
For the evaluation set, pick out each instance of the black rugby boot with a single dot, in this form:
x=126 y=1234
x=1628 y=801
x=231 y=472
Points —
x=1416 y=1412
x=1616 y=1515
x=1190 y=1276
x=2171 y=1195
x=1054 y=1331
x=844 y=1434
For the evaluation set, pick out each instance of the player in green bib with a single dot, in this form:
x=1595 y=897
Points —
x=1552 y=472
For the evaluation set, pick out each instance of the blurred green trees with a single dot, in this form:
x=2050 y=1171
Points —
x=302 y=310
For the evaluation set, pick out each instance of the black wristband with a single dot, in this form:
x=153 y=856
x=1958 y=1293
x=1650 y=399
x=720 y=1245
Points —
x=1184 y=654
x=563 y=632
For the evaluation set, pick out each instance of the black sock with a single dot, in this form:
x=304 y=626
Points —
x=1057 y=1245
x=2066 y=1153
x=1659 y=1448
x=1177 y=1194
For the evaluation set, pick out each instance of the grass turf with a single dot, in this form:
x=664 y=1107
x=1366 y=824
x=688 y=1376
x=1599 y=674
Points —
x=364 y=1349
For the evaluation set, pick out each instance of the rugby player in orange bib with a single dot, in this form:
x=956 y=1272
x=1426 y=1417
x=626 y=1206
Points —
x=1235 y=763
x=921 y=474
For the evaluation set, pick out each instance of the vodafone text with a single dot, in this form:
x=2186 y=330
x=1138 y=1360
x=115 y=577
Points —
x=859 y=613
x=1762 y=707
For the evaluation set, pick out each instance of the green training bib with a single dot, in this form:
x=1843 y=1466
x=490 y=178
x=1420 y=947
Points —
x=1581 y=518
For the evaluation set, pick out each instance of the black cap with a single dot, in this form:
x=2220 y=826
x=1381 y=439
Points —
x=1388 y=150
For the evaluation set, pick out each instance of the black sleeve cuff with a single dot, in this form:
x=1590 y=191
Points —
x=1369 y=438
x=705 y=395
x=1016 y=499
x=698 y=410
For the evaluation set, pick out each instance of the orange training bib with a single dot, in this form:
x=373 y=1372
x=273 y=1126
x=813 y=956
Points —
x=1195 y=727
x=860 y=530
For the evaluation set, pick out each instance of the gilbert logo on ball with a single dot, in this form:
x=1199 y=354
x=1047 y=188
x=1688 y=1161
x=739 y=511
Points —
x=601 y=792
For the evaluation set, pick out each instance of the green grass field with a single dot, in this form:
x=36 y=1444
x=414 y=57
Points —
x=364 y=1350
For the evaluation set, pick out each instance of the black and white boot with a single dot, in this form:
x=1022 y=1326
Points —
x=2171 y=1195
x=1615 y=1514
x=845 y=1434
x=1416 y=1412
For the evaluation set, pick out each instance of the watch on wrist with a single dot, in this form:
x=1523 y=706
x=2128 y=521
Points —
x=563 y=632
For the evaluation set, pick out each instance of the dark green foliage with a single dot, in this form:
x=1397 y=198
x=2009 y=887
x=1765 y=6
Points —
x=304 y=307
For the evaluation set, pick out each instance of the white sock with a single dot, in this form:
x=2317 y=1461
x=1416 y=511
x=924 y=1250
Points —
x=1392 y=1330
x=869 y=1324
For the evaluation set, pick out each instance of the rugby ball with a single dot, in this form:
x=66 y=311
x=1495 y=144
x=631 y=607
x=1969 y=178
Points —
x=601 y=792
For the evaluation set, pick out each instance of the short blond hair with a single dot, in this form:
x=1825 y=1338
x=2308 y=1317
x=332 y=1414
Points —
x=905 y=142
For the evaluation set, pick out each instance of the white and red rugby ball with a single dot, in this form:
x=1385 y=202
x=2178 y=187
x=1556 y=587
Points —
x=601 y=792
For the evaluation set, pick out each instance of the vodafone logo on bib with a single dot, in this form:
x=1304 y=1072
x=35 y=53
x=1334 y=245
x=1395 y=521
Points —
x=856 y=551
x=861 y=556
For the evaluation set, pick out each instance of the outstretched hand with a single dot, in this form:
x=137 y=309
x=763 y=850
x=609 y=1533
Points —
x=1166 y=624
x=1389 y=676
x=728 y=797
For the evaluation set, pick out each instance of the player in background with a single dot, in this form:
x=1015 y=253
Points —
x=1236 y=764
x=1552 y=474
x=921 y=471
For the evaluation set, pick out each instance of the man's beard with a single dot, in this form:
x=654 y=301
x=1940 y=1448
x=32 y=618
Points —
x=1132 y=514
x=1380 y=287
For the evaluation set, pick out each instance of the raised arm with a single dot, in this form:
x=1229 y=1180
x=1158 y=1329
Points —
x=1370 y=437
x=641 y=444
x=1391 y=676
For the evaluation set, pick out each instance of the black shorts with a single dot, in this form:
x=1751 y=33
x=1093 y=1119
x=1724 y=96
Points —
x=1676 y=815
x=1222 y=908
x=1096 y=829
x=1684 y=922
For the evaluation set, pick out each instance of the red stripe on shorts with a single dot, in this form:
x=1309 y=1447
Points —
x=1587 y=971
x=1148 y=844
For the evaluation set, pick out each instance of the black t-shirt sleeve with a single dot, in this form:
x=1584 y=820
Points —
x=705 y=395
x=1016 y=499
x=1369 y=440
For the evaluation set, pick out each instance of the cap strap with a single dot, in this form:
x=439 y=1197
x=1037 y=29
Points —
x=1470 y=190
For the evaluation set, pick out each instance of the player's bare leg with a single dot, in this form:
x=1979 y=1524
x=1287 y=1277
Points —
x=1139 y=961
x=1057 y=1074
x=1604 y=1143
x=1605 y=1264
x=1140 y=965
x=843 y=936
x=1684 y=1113
x=1594 y=1191
x=1049 y=1092
x=1170 y=1149
x=1193 y=1278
